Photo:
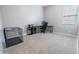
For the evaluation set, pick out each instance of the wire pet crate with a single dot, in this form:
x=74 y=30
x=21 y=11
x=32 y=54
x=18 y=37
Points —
x=13 y=36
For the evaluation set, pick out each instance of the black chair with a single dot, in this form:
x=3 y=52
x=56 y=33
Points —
x=44 y=26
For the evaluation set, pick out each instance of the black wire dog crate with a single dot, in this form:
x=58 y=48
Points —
x=13 y=36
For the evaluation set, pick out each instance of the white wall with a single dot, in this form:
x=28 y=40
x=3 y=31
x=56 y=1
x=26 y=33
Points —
x=77 y=26
x=54 y=16
x=1 y=34
x=21 y=15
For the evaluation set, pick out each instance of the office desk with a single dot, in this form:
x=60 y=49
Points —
x=38 y=29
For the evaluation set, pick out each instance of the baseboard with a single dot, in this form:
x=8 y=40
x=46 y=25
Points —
x=65 y=34
x=60 y=33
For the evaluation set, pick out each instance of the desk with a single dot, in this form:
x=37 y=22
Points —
x=38 y=29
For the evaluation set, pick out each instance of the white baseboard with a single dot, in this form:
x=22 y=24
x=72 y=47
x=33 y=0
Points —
x=65 y=34
x=60 y=33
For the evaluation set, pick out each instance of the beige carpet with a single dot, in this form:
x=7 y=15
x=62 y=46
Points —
x=44 y=43
x=30 y=45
